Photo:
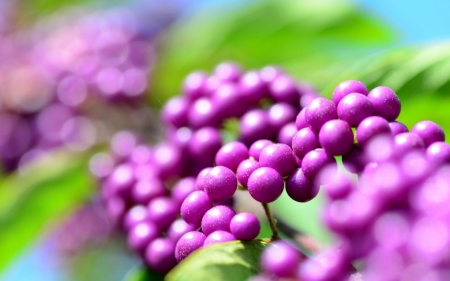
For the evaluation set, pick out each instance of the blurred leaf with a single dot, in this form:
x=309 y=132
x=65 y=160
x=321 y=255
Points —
x=420 y=75
x=31 y=199
x=141 y=273
x=313 y=40
x=226 y=261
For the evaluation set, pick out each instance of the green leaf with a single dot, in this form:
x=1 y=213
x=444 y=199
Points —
x=36 y=196
x=142 y=273
x=228 y=261
x=293 y=34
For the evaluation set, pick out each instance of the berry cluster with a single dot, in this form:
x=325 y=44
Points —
x=136 y=178
x=50 y=79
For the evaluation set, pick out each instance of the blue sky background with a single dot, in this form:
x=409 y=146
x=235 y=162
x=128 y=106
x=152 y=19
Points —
x=416 y=22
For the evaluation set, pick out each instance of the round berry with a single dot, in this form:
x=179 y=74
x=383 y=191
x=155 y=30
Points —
x=430 y=132
x=299 y=188
x=385 y=103
x=304 y=141
x=280 y=259
x=405 y=142
x=317 y=162
x=141 y=235
x=353 y=108
x=348 y=87
x=146 y=190
x=202 y=113
x=254 y=125
x=188 y=243
x=284 y=89
x=253 y=87
x=280 y=114
x=245 y=169
x=134 y=216
x=178 y=228
x=320 y=111
x=231 y=155
x=287 y=133
x=217 y=218
x=220 y=183
x=195 y=206
x=200 y=182
x=270 y=73
x=438 y=152
x=227 y=100
x=218 y=236
x=300 y=121
x=336 y=137
x=228 y=71
x=265 y=185
x=257 y=147
x=370 y=127
x=168 y=160
x=398 y=128
x=182 y=189
x=339 y=188
x=175 y=112
x=159 y=255
x=245 y=226
x=162 y=211
x=204 y=144
x=193 y=85
x=279 y=157
x=123 y=143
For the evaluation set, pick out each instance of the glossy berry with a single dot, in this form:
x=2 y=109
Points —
x=353 y=108
x=218 y=236
x=227 y=100
x=245 y=169
x=438 y=152
x=287 y=133
x=385 y=103
x=231 y=155
x=265 y=185
x=319 y=111
x=253 y=87
x=141 y=235
x=217 y=218
x=299 y=188
x=398 y=128
x=228 y=71
x=195 y=206
x=162 y=211
x=134 y=216
x=316 y=163
x=336 y=137
x=200 y=181
x=182 y=189
x=202 y=113
x=178 y=228
x=406 y=142
x=159 y=255
x=279 y=157
x=339 y=188
x=279 y=114
x=348 y=87
x=257 y=147
x=280 y=259
x=188 y=243
x=254 y=125
x=370 y=127
x=220 y=183
x=429 y=131
x=168 y=160
x=245 y=226
x=175 y=112
x=284 y=89
x=193 y=85
x=147 y=189
x=300 y=120
x=204 y=144
x=304 y=141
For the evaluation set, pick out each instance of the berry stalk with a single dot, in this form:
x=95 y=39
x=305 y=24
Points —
x=272 y=222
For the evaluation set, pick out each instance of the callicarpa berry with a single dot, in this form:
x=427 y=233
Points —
x=217 y=218
x=220 y=183
x=430 y=132
x=245 y=169
x=188 y=243
x=280 y=259
x=353 y=108
x=299 y=188
x=218 y=236
x=231 y=155
x=265 y=185
x=348 y=87
x=336 y=137
x=398 y=128
x=195 y=206
x=385 y=103
x=159 y=255
x=257 y=147
x=319 y=111
x=162 y=211
x=304 y=141
x=279 y=157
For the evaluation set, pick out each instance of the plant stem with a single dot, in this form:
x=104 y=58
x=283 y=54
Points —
x=272 y=223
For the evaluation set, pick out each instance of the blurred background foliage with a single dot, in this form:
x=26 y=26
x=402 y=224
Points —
x=323 y=42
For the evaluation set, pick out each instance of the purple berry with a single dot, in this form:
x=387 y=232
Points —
x=146 y=190
x=253 y=87
x=134 y=216
x=202 y=113
x=228 y=71
x=370 y=127
x=254 y=125
x=220 y=183
x=348 y=87
x=182 y=189
x=280 y=259
x=397 y=128
x=316 y=163
x=336 y=137
x=257 y=147
x=200 y=182
x=265 y=185
x=123 y=144
x=218 y=236
x=175 y=112
x=245 y=169
x=280 y=114
x=279 y=157
x=195 y=206
x=299 y=188
x=121 y=181
x=141 y=155
x=217 y=218
x=188 y=243
x=227 y=100
x=339 y=188
x=168 y=159
x=245 y=226
x=162 y=211
x=178 y=228
x=438 y=152
x=304 y=141
x=320 y=111
x=385 y=103
x=159 y=255
x=353 y=108
x=270 y=73
x=430 y=132
x=193 y=85
x=284 y=89
x=231 y=155
x=287 y=133
x=300 y=120
x=204 y=144
x=141 y=235
x=406 y=142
